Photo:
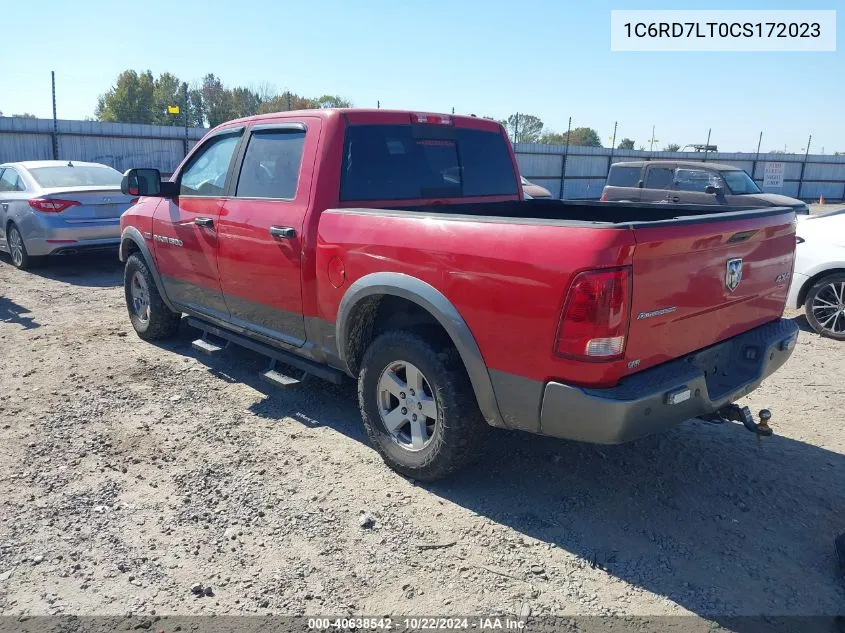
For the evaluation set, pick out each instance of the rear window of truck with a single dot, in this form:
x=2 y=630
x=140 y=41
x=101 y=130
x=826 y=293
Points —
x=405 y=162
x=623 y=176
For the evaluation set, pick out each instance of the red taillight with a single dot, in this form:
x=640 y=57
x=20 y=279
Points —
x=52 y=205
x=594 y=322
x=603 y=197
x=431 y=119
x=133 y=202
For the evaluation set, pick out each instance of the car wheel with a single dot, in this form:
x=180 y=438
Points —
x=825 y=306
x=150 y=316
x=418 y=406
x=17 y=248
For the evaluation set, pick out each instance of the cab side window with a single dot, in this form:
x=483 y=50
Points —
x=660 y=178
x=11 y=181
x=206 y=174
x=271 y=165
x=696 y=180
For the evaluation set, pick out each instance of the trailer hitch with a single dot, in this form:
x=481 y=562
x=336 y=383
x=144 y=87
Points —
x=735 y=413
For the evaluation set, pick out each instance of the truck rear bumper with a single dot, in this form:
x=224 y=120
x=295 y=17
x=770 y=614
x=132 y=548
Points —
x=642 y=404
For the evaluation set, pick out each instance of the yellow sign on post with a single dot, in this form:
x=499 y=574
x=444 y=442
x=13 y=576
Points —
x=172 y=109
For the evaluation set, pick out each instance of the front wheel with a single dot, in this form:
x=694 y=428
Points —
x=150 y=316
x=825 y=306
x=418 y=406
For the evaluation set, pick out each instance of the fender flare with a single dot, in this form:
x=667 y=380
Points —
x=131 y=234
x=435 y=303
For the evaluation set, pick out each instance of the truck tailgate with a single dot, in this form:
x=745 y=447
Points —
x=701 y=281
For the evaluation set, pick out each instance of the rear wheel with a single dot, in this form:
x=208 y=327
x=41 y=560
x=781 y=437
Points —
x=825 y=306
x=418 y=406
x=17 y=248
x=150 y=316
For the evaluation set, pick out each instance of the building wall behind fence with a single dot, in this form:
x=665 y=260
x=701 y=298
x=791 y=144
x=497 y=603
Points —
x=583 y=170
x=120 y=145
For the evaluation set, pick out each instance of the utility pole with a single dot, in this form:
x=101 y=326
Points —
x=707 y=145
x=651 y=147
x=55 y=120
x=378 y=105
x=563 y=160
x=757 y=157
x=185 y=91
x=612 y=147
x=288 y=95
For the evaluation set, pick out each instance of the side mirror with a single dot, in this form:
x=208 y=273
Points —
x=142 y=182
x=714 y=190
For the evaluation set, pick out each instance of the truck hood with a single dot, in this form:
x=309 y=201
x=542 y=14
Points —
x=777 y=200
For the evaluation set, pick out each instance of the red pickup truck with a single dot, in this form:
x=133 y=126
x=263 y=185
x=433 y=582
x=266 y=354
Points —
x=396 y=248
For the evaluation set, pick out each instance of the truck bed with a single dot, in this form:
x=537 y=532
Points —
x=588 y=211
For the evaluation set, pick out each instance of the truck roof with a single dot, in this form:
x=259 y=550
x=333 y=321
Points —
x=388 y=116
x=680 y=163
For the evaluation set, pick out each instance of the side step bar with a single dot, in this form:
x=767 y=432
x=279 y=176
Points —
x=207 y=346
x=310 y=367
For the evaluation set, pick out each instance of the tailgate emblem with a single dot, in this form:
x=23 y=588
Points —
x=106 y=200
x=734 y=273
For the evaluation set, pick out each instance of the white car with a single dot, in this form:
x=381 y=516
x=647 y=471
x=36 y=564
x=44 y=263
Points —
x=818 y=282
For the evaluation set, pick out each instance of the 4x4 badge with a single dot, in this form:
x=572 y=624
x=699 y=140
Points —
x=734 y=273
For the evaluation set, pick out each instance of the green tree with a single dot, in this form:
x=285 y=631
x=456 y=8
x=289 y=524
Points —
x=553 y=138
x=523 y=128
x=216 y=101
x=167 y=91
x=130 y=100
x=244 y=102
x=626 y=143
x=332 y=101
x=585 y=136
x=196 y=108
x=286 y=101
x=672 y=147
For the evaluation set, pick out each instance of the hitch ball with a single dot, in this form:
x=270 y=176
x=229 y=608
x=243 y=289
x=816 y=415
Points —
x=763 y=427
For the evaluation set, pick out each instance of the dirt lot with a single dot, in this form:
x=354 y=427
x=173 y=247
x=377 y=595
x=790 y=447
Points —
x=130 y=472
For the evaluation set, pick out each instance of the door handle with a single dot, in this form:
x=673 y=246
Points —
x=204 y=222
x=676 y=198
x=285 y=232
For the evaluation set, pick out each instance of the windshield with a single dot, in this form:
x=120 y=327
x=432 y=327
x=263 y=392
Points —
x=739 y=182
x=76 y=176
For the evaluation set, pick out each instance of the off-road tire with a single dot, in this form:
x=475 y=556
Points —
x=162 y=322
x=461 y=431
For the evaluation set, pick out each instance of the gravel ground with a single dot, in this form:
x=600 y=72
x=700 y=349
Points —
x=141 y=478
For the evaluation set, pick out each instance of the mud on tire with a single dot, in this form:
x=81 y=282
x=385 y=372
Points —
x=150 y=316
x=460 y=431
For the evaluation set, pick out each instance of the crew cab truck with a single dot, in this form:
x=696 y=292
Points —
x=396 y=248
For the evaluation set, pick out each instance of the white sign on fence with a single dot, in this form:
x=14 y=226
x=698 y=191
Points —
x=773 y=175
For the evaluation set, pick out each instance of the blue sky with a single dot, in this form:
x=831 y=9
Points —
x=549 y=58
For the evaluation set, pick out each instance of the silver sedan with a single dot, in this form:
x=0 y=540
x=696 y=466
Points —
x=55 y=207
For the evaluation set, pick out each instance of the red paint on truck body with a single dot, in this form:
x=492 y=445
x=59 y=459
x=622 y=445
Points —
x=508 y=279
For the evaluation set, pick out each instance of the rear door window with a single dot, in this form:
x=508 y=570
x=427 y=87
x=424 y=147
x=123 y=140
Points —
x=660 y=178
x=271 y=164
x=404 y=162
x=624 y=176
